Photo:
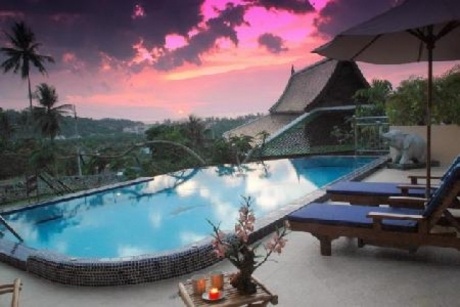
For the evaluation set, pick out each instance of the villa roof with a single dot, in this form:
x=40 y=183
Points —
x=326 y=85
x=269 y=123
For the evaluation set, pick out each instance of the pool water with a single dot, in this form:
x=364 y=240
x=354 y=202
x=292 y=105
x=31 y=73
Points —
x=170 y=211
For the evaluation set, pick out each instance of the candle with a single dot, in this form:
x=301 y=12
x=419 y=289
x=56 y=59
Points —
x=214 y=294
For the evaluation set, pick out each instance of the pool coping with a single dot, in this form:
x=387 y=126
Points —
x=150 y=267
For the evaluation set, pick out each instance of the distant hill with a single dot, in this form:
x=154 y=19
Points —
x=89 y=126
x=83 y=126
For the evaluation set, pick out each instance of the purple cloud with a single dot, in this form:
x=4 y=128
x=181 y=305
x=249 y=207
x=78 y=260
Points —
x=339 y=15
x=292 y=6
x=95 y=31
x=218 y=27
x=273 y=43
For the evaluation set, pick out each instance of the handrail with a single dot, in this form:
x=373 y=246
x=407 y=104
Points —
x=55 y=184
x=11 y=229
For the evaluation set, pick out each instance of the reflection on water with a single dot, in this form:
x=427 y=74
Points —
x=170 y=211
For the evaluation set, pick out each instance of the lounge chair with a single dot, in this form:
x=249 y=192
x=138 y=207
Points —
x=377 y=193
x=385 y=226
x=13 y=288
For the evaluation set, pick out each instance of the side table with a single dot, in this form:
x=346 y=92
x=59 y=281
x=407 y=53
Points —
x=232 y=298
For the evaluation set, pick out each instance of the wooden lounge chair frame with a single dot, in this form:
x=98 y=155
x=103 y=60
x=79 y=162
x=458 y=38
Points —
x=378 y=235
x=13 y=288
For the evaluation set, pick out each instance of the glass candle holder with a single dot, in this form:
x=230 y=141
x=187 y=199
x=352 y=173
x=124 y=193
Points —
x=217 y=280
x=199 y=284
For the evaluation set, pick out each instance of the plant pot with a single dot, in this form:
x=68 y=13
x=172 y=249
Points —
x=243 y=283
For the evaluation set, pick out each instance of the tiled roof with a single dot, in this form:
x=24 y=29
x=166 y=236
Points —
x=270 y=124
x=304 y=86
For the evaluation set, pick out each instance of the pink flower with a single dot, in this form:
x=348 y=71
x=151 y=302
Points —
x=276 y=244
x=239 y=252
x=269 y=245
x=249 y=227
x=241 y=233
x=219 y=249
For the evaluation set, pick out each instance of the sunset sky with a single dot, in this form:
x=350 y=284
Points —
x=151 y=60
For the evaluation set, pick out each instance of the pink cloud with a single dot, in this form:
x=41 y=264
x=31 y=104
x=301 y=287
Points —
x=174 y=41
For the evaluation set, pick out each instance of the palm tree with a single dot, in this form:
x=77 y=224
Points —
x=376 y=95
x=194 y=129
x=48 y=116
x=22 y=53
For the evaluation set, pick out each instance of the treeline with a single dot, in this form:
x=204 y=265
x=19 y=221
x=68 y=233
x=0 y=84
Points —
x=406 y=105
x=71 y=126
x=86 y=127
x=103 y=146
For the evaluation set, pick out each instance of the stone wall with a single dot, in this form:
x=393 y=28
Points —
x=445 y=145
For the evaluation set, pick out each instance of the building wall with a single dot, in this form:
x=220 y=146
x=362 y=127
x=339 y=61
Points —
x=445 y=144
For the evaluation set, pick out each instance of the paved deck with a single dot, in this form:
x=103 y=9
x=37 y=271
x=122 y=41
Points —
x=352 y=276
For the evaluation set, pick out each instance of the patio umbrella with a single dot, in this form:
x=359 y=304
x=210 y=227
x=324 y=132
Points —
x=414 y=31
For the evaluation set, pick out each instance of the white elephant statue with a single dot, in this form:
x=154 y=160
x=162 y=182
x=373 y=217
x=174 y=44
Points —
x=410 y=148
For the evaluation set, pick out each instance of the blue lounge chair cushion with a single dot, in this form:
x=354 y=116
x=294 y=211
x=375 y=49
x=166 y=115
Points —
x=385 y=189
x=371 y=189
x=355 y=216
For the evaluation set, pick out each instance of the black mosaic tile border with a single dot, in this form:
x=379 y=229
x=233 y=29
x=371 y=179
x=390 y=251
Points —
x=106 y=271
x=147 y=268
x=124 y=271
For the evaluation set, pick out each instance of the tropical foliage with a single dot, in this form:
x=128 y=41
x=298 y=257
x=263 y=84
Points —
x=6 y=129
x=407 y=105
x=447 y=97
x=193 y=135
x=48 y=115
x=22 y=53
x=374 y=98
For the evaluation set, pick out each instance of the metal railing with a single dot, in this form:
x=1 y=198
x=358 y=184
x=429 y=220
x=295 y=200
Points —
x=4 y=222
x=368 y=132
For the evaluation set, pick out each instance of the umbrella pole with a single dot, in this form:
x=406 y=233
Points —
x=430 y=46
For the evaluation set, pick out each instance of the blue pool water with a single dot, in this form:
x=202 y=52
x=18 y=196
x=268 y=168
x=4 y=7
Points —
x=170 y=211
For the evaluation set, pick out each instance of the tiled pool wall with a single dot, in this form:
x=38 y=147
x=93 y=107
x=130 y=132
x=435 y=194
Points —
x=106 y=272
x=147 y=268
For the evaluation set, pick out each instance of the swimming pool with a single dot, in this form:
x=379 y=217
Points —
x=166 y=214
